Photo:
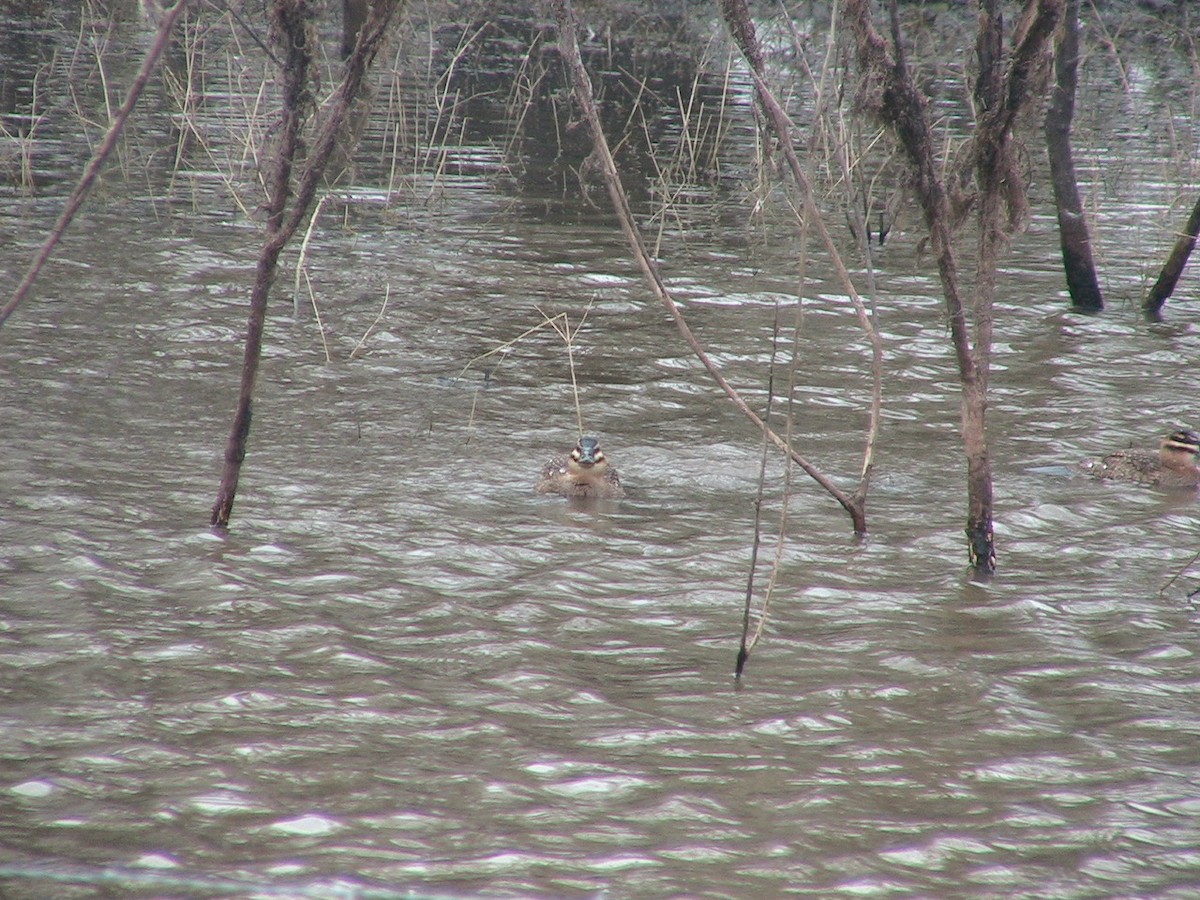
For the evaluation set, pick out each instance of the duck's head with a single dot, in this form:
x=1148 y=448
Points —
x=1181 y=447
x=587 y=455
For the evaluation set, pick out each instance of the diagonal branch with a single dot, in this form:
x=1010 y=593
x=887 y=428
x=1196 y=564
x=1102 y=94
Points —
x=737 y=17
x=84 y=187
x=569 y=48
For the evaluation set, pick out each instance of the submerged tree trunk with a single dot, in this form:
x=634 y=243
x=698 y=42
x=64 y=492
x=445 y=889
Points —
x=292 y=27
x=295 y=36
x=1078 y=264
x=1173 y=268
x=904 y=109
x=1001 y=91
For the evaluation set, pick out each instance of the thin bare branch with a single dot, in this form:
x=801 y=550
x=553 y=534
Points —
x=88 y=179
x=581 y=83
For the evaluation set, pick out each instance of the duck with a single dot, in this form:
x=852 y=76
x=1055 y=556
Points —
x=1173 y=465
x=583 y=474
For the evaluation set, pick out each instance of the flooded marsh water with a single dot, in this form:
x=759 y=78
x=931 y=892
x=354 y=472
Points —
x=401 y=670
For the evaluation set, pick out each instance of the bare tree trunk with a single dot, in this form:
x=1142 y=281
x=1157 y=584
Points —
x=1000 y=92
x=904 y=108
x=354 y=14
x=1078 y=264
x=293 y=34
x=992 y=170
x=1173 y=268
x=293 y=31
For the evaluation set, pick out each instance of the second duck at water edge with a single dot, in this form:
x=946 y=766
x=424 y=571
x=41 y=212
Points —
x=1172 y=465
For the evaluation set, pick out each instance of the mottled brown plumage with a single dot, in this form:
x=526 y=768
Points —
x=1174 y=465
x=584 y=474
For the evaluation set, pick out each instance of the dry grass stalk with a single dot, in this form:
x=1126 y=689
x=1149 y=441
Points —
x=387 y=294
x=560 y=324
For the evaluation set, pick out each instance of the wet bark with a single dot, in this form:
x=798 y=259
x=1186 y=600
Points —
x=294 y=36
x=354 y=15
x=296 y=40
x=1173 y=268
x=993 y=169
x=903 y=107
x=1078 y=264
x=1001 y=94
x=1001 y=91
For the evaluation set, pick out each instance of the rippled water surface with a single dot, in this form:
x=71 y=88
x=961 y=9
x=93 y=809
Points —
x=402 y=669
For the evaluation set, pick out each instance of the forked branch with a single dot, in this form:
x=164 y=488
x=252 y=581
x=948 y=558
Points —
x=292 y=24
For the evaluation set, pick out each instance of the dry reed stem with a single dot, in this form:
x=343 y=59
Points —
x=568 y=336
x=509 y=344
x=561 y=325
x=523 y=98
x=302 y=261
x=242 y=151
x=312 y=297
x=1162 y=591
x=747 y=643
x=27 y=142
x=1110 y=43
x=422 y=142
x=682 y=170
x=750 y=641
x=387 y=293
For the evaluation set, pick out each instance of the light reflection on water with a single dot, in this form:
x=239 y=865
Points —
x=401 y=667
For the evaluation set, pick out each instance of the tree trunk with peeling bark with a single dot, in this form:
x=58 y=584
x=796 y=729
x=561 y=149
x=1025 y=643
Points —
x=1002 y=89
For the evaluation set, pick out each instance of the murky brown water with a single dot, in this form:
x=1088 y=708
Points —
x=401 y=669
